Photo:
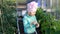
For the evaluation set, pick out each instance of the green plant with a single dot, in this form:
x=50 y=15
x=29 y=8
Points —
x=8 y=17
x=47 y=22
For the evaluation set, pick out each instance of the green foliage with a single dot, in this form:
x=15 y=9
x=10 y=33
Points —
x=9 y=2
x=47 y=22
x=8 y=17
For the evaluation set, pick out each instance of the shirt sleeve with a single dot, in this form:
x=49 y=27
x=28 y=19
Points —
x=35 y=18
x=25 y=23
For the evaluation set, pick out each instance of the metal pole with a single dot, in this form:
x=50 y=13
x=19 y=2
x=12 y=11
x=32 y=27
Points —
x=2 y=18
x=51 y=11
x=17 y=18
x=56 y=8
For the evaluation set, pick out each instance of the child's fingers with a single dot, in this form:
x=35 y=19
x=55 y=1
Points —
x=37 y=25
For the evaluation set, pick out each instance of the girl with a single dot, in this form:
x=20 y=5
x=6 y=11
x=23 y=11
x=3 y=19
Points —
x=29 y=20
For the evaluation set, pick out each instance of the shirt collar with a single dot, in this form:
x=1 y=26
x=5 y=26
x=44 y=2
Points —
x=29 y=15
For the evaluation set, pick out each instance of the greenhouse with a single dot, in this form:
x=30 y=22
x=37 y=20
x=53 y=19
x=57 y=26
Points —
x=12 y=12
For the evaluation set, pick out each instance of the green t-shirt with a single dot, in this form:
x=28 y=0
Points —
x=27 y=20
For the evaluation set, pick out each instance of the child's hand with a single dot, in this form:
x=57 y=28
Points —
x=37 y=25
x=34 y=22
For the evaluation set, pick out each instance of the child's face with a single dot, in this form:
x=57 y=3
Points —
x=32 y=13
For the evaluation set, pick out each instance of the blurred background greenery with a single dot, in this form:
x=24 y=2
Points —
x=8 y=17
x=48 y=24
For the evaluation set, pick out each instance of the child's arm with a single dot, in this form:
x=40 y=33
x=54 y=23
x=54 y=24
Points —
x=35 y=22
x=25 y=22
